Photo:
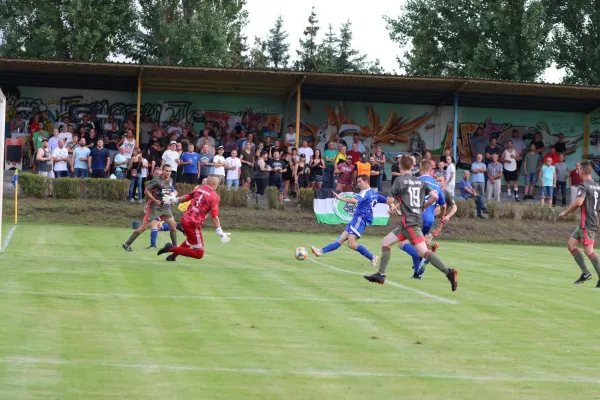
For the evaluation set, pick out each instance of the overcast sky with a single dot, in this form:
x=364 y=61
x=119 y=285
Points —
x=369 y=29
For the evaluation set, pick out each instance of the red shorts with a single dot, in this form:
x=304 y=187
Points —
x=193 y=234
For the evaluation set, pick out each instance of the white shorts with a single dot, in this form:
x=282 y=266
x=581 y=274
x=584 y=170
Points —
x=47 y=174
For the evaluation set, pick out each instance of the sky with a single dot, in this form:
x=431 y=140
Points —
x=369 y=29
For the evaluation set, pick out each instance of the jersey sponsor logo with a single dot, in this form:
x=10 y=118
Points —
x=344 y=211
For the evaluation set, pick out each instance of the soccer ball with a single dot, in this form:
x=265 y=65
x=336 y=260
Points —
x=301 y=254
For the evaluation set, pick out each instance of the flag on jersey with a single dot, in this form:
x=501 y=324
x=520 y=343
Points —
x=329 y=210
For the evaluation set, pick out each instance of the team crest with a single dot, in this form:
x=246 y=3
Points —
x=344 y=211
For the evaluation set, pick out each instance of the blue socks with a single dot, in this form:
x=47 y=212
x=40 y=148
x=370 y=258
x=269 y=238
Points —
x=165 y=228
x=408 y=248
x=331 y=247
x=153 y=236
x=363 y=250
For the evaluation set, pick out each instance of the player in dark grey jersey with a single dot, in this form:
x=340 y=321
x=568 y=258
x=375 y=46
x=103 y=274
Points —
x=587 y=201
x=410 y=193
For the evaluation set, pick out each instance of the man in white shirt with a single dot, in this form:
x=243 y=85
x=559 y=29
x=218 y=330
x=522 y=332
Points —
x=219 y=164
x=234 y=170
x=65 y=135
x=60 y=156
x=290 y=137
x=174 y=128
x=171 y=157
x=519 y=146
x=307 y=151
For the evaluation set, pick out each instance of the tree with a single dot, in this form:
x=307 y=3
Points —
x=348 y=60
x=328 y=51
x=190 y=32
x=83 y=30
x=258 y=59
x=308 y=57
x=577 y=40
x=504 y=39
x=277 y=45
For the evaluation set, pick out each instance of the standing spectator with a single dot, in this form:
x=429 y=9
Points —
x=363 y=167
x=356 y=141
x=511 y=173
x=134 y=174
x=494 y=174
x=355 y=153
x=43 y=159
x=99 y=161
x=560 y=146
x=86 y=125
x=247 y=160
x=234 y=170
x=72 y=145
x=396 y=170
x=205 y=136
x=317 y=167
x=60 y=157
x=450 y=175
x=91 y=139
x=490 y=150
x=290 y=159
x=271 y=132
x=240 y=144
x=171 y=157
x=532 y=169
x=468 y=192
x=380 y=160
x=301 y=173
x=144 y=173
x=290 y=136
x=539 y=144
x=112 y=137
x=575 y=181
x=278 y=168
x=53 y=141
x=18 y=124
x=108 y=125
x=66 y=135
x=548 y=179
x=120 y=163
x=427 y=156
x=520 y=148
x=307 y=151
x=562 y=172
x=81 y=155
x=552 y=154
x=228 y=143
x=219 y=164
x=174 y=128
x=479 y=170
x=330 y=155
x=129 y=144
x=192 y=171
x=206 y=162
x=345 y=171
x=155 y=141
x=375 y=174
x=478 y=142
x=341 y=156
x=262 y=173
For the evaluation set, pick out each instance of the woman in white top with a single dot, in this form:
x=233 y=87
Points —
x=128 y=143
x=450 y=175
x=511 y=173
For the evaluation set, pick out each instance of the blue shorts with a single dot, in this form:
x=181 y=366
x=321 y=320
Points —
x=547 y=192
x=531 y=179
x=356 y=227
x=426 y=229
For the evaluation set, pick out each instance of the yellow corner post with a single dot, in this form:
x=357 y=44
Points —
x=16 y=196
x=139 y=106
x=586 y=134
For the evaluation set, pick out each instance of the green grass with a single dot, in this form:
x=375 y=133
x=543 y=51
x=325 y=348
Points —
x=82 y=319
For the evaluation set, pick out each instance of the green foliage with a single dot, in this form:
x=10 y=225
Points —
x=348 y=59
x=184 y=188
x=258 y=59
x=67 y=188
x=33 y=185
x=576 y=41
x=493 y=210
x=489 y=39
x=84 y=30
x=308 y=57
x=472 y=208
x=328 y=51
x=225 y=195
x=509 y=211
x=278 y=46
x=462 y=209
x=273 y=197
x=190 y=32
x=305 y=198
x=239 y=197
x=106 y=189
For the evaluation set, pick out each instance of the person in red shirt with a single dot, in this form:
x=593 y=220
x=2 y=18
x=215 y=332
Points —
x=355 y=153
x=552 y=154
x=203 y=200
x=576 y=180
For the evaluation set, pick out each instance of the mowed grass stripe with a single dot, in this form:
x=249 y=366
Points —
x=531 y=338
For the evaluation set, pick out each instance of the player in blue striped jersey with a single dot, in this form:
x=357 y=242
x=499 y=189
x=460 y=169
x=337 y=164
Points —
x=365 y=201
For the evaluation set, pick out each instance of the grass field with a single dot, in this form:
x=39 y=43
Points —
x=82 y=319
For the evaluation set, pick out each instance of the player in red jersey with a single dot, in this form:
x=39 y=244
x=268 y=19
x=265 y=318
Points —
x=202 y=200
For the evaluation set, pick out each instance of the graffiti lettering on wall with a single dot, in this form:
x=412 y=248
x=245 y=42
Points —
x=394 y=130
x=503 y=132
x=74 y=107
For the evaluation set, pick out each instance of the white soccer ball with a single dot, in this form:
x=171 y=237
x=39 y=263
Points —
x=301 y=254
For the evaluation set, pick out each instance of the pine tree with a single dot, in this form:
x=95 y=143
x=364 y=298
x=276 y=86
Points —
x=327 y=51
x=348 y=60
x=257 y=57
x=308 y=57
x=277 y=45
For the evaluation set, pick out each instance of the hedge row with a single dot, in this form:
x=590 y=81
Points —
x=34 y=185
x=518 y=211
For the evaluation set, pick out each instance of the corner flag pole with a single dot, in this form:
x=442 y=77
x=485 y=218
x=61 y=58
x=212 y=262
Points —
x=2 y=141
x=15 y=181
